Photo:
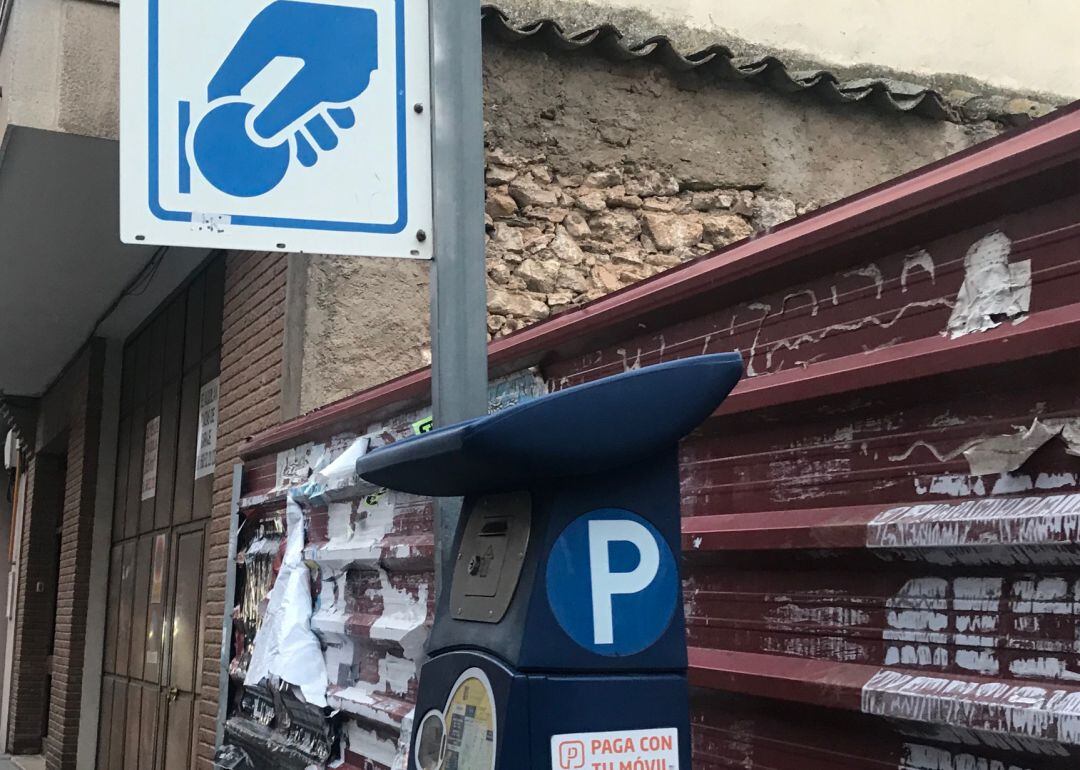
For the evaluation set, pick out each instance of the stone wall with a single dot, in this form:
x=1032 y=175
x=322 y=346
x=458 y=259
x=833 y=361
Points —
x=562 y=240
x=599 y=175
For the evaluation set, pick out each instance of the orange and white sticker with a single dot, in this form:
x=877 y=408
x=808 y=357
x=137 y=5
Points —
x=617 y=750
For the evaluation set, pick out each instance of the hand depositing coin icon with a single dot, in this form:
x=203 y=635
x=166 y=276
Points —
x=245 y=150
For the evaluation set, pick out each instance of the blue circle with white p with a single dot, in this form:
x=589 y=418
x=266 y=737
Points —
x=612 y=582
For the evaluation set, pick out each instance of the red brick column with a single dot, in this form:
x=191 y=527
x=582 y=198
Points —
x=252 y=343
x=33 y=612
x=60 y=493
x=76 y=541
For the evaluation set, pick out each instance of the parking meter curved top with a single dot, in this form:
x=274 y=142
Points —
x=563 y=617
x=579 y=431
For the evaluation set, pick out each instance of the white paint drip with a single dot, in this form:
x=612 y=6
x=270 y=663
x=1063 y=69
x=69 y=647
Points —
x=765 y=310
x=822 y=616
x=803 y=480
x=871 y=271
x=952 y=485
x=1020 y=710
x=629 y=366
x=808 y=293
x=916 y=617
x=941 y=456
x=918 y=260
x=1012 y=483
x=993 y=290
x=882 y=321
x=1012 y=521
x=978 y=661
x=1043 y=668
x=1056 y=480
x=1044 y=596
x=817 y=648
x=948 y=420
x=935 y=622
x=920 y=757
x=975 y=738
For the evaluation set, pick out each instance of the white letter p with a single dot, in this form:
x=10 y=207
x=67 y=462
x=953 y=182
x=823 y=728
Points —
x=605 y=583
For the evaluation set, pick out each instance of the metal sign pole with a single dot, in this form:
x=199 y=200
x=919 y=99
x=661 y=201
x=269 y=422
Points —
x=458 y=273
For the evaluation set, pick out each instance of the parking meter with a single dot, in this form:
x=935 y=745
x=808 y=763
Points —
x=559 y=641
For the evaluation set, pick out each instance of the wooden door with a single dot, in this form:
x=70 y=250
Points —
x=154 y=622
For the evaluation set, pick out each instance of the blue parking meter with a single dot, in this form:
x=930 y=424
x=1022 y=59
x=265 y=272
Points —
x=559 y=641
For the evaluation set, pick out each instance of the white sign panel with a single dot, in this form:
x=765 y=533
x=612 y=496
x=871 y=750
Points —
x=618 y=750
x=150 y=459
x=206 y=444
x=277 y=125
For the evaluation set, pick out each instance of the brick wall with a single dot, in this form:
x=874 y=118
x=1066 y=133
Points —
x=33 y=613
x=252 y=340
x=61 y=487
x=76 y=541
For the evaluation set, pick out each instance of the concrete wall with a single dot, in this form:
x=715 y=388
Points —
x=1022 y=45
x=600 y=175
x=60 y=67
x=365 y=321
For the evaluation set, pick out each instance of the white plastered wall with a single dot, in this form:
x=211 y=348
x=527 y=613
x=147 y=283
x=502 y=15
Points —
x=1026 y=46
x=59 y=67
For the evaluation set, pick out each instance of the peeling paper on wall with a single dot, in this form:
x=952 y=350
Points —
x=1005 y=454
x=402 y=621
x=994 y=291
x=342 y=470
x=285 y=646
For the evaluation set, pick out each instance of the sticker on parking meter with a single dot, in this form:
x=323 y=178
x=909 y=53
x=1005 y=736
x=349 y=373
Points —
x=612 y=582
x=470 y=724
x=618 y=750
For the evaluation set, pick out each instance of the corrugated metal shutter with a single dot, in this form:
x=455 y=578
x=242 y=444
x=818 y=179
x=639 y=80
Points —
x=881 y=524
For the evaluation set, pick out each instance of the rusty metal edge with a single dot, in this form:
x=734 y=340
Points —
x=780 y=530
x=1046 y=144
x=986 y=522
x=834 y=685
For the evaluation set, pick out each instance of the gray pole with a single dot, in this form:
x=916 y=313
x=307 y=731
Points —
x=458 y=273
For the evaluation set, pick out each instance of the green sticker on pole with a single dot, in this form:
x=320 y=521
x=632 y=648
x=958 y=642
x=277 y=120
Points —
x=423 y=426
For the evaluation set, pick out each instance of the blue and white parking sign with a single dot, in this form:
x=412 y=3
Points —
x=285 y=125
x=612 y=582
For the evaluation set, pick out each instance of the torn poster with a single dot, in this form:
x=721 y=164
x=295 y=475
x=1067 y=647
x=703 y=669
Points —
x=285 y=646
x=150 y=459
x=342 y=471
x=1005 y=454
x=994 y=290
x=206 y=444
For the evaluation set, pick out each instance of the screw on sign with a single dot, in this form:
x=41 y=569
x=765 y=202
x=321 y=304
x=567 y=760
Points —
x=618 y=750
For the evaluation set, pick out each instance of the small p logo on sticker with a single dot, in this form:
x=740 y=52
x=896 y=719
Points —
x=571 y=755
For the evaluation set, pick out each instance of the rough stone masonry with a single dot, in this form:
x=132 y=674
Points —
x=559 y=240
